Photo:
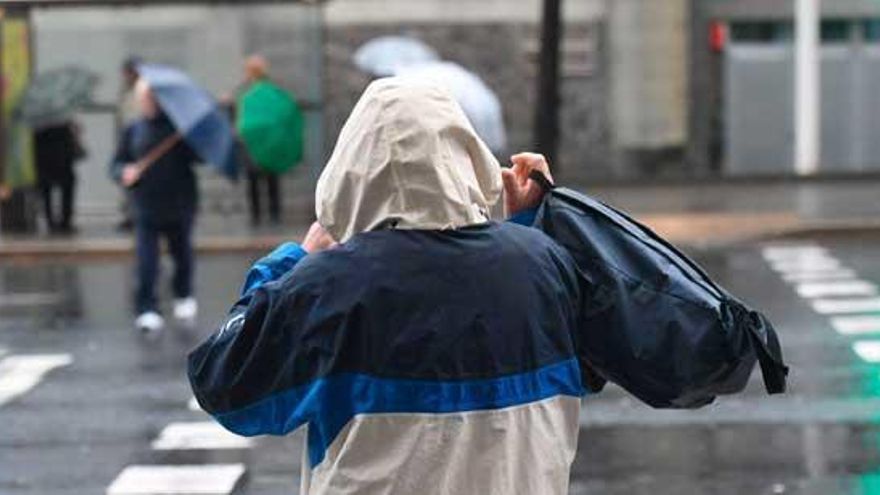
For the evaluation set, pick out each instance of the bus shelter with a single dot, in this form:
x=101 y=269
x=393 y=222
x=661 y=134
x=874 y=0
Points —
x=208 y=39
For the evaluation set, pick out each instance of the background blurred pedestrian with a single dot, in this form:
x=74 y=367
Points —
x=270 y=126
x=126 y=113
x=57 y=148
x=157 y=166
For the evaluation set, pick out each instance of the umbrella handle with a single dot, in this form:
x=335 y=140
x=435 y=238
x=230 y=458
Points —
x=156 y=153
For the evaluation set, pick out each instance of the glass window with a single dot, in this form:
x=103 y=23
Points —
x=761 y=31
x=871 y=29
x=836 y=30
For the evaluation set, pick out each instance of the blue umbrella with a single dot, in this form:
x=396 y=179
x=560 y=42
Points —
x=195 y=115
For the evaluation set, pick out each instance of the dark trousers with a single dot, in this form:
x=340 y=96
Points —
x=178 y=234
x=255 y=178
x=58 y=220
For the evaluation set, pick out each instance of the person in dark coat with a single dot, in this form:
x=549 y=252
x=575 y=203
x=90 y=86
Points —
x=56 y=150
x=164 y=198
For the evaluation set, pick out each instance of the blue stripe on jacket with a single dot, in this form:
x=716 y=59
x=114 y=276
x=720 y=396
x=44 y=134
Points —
x=329 y=403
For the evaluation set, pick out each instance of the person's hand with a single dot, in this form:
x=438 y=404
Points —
x=520 y=192
x=317 y=239
x=131 y=173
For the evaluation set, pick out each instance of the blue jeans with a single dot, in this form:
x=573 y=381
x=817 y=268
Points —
x=178 y=234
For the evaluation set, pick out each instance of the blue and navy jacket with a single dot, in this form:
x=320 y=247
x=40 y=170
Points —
x=420 y=361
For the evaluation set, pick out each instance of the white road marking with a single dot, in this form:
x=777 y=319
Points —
x=839 y=306
x=869 y=350
x=208 y=479
x=202 y=435
x=806 y=265
x=856 y=325
x=836 y=288
x=193 y=405
x=842 y=274
x=779 y=253
x=20 y=373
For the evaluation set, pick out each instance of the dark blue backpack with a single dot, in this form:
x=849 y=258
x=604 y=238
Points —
x=654 y=322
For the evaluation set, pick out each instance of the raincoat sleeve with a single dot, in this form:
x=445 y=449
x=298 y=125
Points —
x=525 y=217
x=235 y=372
x=273 y=266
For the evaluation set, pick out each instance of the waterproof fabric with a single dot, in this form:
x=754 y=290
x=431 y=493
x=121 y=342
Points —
x=271 y=126
x=430 y=362
x=407 y=158
x=195 y=115
x=479 y=102
x=670 y=335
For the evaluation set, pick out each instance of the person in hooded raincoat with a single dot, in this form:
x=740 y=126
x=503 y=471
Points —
x=432 y=350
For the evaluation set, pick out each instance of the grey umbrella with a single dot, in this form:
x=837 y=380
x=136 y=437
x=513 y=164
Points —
x=54 y=95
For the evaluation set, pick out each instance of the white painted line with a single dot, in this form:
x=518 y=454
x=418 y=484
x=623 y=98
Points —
x=856 y=325
x=842 y=274
x=869 y=350
x=806 y=266
x=836 y=306
x=202 y=435
x=777 y=253
x=18 y=374
x=838 y=288
x=208 y=479
x=193 y=405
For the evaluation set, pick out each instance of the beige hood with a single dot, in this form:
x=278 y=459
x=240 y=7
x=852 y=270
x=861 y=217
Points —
x=406 y=158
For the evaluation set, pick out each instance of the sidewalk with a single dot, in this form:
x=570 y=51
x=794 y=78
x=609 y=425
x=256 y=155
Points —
x=697 y=216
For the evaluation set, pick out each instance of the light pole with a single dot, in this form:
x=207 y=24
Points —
x=547 y=103
x=807 y=104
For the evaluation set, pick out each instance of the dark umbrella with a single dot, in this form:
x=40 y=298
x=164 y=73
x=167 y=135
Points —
x=195 y=115
x=54 y=95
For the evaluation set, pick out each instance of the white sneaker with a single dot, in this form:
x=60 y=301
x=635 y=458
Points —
x=149 y=322
x=185 y=310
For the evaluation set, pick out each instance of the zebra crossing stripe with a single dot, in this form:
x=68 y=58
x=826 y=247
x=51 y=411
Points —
x=202 y=435
x=208 y=479
x=822 y=275
x=778 y=253
x=842 y=306
x=811 y=290
x=18 y=374
x=856 y=325
x=800 y=265
x=868 y=350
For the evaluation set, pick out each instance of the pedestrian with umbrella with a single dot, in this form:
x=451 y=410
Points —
x=47 y=107
x=180 y=125
x=270 y=125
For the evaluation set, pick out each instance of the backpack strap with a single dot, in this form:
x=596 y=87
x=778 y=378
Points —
x=542 y=180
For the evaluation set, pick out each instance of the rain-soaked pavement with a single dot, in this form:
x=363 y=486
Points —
x=101 y=395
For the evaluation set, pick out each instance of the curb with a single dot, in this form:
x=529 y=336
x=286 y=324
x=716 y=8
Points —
x=24 y=251
x=96 y=249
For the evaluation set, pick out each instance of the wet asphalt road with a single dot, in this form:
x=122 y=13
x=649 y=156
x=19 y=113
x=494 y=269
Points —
x=84 y=422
